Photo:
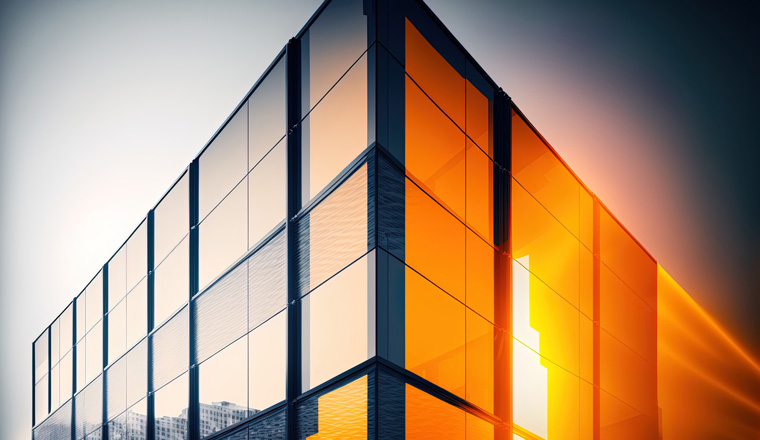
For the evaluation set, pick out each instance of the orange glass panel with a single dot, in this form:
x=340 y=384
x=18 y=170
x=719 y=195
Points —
x=620 y=252
x=479 y=192
x=622 y=422
x=586 y=410
x=479 y=115
x=626 y=316
x=481 y=260
x=541 y=172
x=586 y=355
x=435 y=242
x=343 y=412
x=428 y=418
x=479 y=386
x=586 y=218
x=435 y=334
x=553 y=251
x=477 y=428
x=586 y=278
x=435 y=150
x=627 y=376
x=435 y=75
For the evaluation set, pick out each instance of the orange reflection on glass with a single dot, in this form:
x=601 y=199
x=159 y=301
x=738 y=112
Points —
x=479 y=115
x=435 y=242
x=435 y=334
x=627 y=376
x=479 y=386
x=541 y=172
x=343 y=412
x=480 y=273
x=435 y=155
x=479 y=192
x=586 y=218
x=622 y=422
x=428 y=418
x=434 y=74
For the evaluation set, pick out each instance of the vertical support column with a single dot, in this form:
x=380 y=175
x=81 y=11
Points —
x=597 y=322
x=293 y=93
x=193 y=418
x=73 y=366
x=104 y=406
x=149 y=427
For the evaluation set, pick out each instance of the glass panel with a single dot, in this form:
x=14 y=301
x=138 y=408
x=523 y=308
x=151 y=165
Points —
x=267 y=351
x=586 y=363
x=57 y=426
x=117 y=428
x=267 y=281
x=586 y=410
x=55 y=388
x=224 y=163
x=137 y=421
x=67 y=329
x=172 y=283
x=438 y=259
x=171 y=410
x=55 y=337
x=222 y=313
x=479 y=114
x=223 y=394
x=435 y=150
x=335 y=132
x=553 y=252
x=266 y=194
x=94 y=301
x=67 y=375
x=430 y=418
x=171 y=219
x=586 y=218
x=117 y=331
x=334 y=342
x=479 y=361
x=329 y=47
x=435 y=334
x=137 y=256
x=479 y=191
x=335 y=231
x=171 y=349
x=137 y=313
x=116 y=388
x=117 y=277
x=340 y=414
x=80 y=367
x=435 y=75
x=41 y=356
x=41 y=399
x=223 y=236
x=137 y=373
x=586 y=276
x=79 y=424
x=94 y=359
x=540 y=172
x=480 y=275
x=271 y=427
x=93 y=405
x=627 y=376
x=267 y=114
x=79 y=303
x=622 y=422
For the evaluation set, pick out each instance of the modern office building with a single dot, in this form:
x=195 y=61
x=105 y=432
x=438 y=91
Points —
x=376 y=244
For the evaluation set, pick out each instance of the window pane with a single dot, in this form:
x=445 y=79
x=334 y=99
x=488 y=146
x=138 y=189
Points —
x=79 y=304
x=429 y=418
x=41 y=399
x=117 y=277
x=137 y=421
x=435 y=334
x=172 y=282
x=117 y=428
x=171 y=410
x=94 y=300
x=479 y=362
x=223 y=236
x=116 y=388
x=479 y=190
x=266 y=194
x=479 y=114
x=93 y=405
x=330 y=46
x=55 y=388
x=137 y=373
x=94 y=352
x=267 y=281
x=171 y=219
x=55 y=336
x=171 y=349
x=137 y=256
x=268 y=362
x=627 y=376
x=338 y=323
x=67 y=329
x=435 y=150
x=342 y=413
x=480 y=275
x=137 y=313
x=619 y=421
x=81 y=348
x=117 y=331
x=222 y=387
x=41 y=356
x=67 y=371
x=335 y=132
x=224 y=163
x=267 y=114
x=57 y=427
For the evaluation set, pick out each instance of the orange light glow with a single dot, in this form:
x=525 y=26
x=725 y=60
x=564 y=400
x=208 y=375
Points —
x=343 y=412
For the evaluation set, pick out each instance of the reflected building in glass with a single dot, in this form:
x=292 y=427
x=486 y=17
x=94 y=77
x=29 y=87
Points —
x=376 y=244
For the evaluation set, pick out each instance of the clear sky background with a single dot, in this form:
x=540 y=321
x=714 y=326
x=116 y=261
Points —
x=103 y=104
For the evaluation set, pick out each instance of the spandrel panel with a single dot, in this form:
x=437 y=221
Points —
x=267 y=114
x=543 y=320
x=171 y=219
x=41 y=399
x=93 y=405
x=335 y=40
x=137 y=313
x=224 y=163
x=137 y=373
x=480 y=275
x=171 y=349
x=223 y=236
x=222 y=313
x=66 y=322
x=172 y=282
x=336 y=232
x=479 y=188
x=621 y=253
x=137 y=256
x=223 y=396
x=479 y=361
x=267 y=281
x=542 y=174
x=117 y=277
x=116 y=388
x=79 y=425
x=94 y=360
x=342 y=413
x=94 y=300
x=551 y=249
x=435 y=334
x=267 y=362
x=272 y=427
x=67 y=375
x=338 y=328
x=41 y=356
x=57 y=426
x=335 y=132
x=627 y=376
x=435 y=75
x=117 y=331
x=435 y=150
x=440 y=260
x=170 y=410
x=266 y=194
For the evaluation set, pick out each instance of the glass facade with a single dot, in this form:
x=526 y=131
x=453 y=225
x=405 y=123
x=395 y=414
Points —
x=376 y=244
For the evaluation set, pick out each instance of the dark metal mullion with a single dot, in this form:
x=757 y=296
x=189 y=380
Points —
x=104 y=405
x=151 y=318
x=193 y=416
x=73 y=365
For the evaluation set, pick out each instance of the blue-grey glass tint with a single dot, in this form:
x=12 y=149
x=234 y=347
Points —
x=267 y=114
x=271 y=427
x=221 y=312
x=137 y=372
x=89 y=407
x=222 y=395
x=79 y=421
x=266 y=194
x=172 y=283
x=41 y=356
x=171 y=219
x=267 y=281
x=171 y=349
x=170 y=404
x=57 y=426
